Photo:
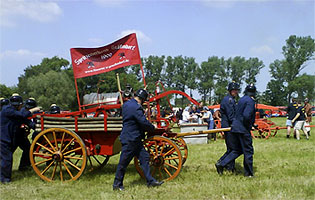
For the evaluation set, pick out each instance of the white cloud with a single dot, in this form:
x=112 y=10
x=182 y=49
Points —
x=41 y=11
x=261 y=50
x=21 y=53
x=140 y=35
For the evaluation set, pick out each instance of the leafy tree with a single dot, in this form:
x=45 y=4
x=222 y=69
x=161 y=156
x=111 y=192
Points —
x=168 y=76
x=297 y=51
x=303 y=86
x=252 y=69
x=6 y=92
x=153 y=66
x=236 y=69
x=52 y=87
x=206 y=75
x=285 y=73
x=221 y=80
x=275 y=94
x=191 y=69
x=276 y=91
x=47 y=64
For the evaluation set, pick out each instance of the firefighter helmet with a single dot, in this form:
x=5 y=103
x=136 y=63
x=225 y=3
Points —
x=54 y=109
x=233 y=86
x=30 y=103
x=142 y=94
x=16 y=100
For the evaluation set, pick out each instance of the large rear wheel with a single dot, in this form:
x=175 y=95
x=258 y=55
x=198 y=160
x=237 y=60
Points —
x=58 y=153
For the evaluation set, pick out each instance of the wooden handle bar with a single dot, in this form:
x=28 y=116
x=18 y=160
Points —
x=203 y=132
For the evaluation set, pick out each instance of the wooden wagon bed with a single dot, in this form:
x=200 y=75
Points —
x=79 y=124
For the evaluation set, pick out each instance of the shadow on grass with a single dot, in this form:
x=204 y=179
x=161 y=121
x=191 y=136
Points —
x=109 y=169
x=239 y=170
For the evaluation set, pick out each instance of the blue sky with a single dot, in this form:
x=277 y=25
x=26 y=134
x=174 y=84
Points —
x=33 y=30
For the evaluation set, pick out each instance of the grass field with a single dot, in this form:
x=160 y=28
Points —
x=284 y=169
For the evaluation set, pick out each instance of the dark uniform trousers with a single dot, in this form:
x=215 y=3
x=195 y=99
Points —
x=24 y=144
x=240 y=138
x=11 y=137
x=227 y=109
x=229 y=143
x=130 y=150
x=241 y=143
x=7 y=151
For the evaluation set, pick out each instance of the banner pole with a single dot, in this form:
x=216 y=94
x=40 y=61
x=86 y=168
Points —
x=76 y=88
x=144 y=83
x=119 y=89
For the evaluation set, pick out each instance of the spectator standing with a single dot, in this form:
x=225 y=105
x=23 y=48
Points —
x=308 y=111
x=299 y=121
x=195 y=113
x=186 y=118
x=291 y=110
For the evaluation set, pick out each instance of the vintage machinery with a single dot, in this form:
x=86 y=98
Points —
x=67 y=142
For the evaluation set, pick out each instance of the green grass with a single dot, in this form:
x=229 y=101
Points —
x=284 y=169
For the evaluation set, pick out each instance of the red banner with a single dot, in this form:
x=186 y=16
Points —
x=92 y=61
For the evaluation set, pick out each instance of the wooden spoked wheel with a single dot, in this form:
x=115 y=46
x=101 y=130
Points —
x=58 y=153
x=263 y=130
x=165 y=158
x=182 y=147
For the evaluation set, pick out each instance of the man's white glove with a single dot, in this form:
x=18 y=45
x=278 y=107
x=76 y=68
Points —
x=36 y=109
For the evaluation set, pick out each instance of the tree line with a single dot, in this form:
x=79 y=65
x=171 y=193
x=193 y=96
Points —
x=52 y=80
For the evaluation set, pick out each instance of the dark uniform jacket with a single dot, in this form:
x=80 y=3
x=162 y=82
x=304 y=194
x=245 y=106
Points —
x=291 y=110
x=301 y=110
x=134 y=122
x=227 y=109
x=11 y=120
x=244 y=115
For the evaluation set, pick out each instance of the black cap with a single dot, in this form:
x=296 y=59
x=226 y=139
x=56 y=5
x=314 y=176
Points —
x=30 y=103
x=16 y=100
x=142 y=94
x=54 y=109
x=233 y=86
x=250 y=89
x=4 y=102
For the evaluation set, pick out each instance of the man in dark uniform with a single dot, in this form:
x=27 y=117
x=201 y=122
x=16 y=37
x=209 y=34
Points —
x=3 y=102
x=134 y=126
x=29 y=104
x=227 y=109
x=54 y=109
x=12 y=117
x=291 y=110
x=21 y=140
x=240 y=136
